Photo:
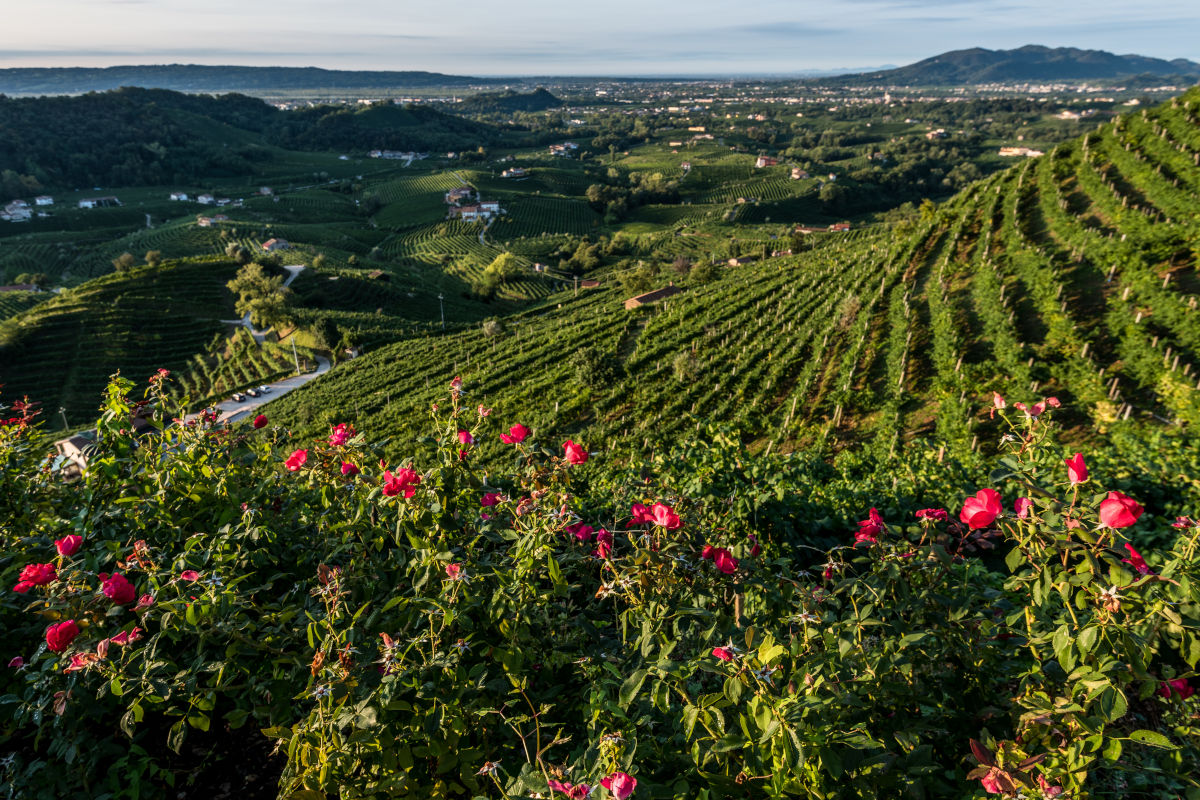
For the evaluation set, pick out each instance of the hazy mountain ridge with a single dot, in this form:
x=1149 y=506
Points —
x=1031 y=63
x=205 y=78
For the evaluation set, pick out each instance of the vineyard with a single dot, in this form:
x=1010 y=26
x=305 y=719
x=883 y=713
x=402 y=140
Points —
x=61 y=352
x=1071 y=275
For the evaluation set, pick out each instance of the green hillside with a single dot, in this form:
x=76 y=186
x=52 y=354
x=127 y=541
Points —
x=1070 y=275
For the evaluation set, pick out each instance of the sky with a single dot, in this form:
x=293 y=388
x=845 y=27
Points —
x=566 y=37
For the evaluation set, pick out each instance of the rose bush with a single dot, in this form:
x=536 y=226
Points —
x=698 y=624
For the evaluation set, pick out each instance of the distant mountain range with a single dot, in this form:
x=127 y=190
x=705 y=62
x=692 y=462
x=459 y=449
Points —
x=1029 y=64
x=1032 y=63
x=201 y=78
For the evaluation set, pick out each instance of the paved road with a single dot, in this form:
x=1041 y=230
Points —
x=231 y=411
x=261 y=336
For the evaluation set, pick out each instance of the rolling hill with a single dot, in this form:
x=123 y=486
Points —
x=1070 y=275
x=1031 y=63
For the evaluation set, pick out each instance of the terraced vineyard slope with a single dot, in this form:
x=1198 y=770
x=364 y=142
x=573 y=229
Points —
x=1072 y=275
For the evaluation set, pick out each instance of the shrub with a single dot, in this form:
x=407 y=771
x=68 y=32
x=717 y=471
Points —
x=435 y=630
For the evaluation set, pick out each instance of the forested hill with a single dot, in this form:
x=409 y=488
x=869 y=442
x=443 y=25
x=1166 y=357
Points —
x=202 y=78
x=1031 y=63
x=507 y=102
x=135 y=137
x=1070 y=275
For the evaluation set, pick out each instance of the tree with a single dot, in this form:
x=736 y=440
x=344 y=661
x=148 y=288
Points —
x=703 y=272
x=318 y=261
x=154 y=257
x=238 y=253
x=503 y=268
x=681 y=265
x=39 y=280
x=124 y=262
x=263 y=296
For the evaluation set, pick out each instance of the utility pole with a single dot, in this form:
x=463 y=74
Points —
x=295 y=358
x=577 y=286
x=62 y=410
x=442 y=308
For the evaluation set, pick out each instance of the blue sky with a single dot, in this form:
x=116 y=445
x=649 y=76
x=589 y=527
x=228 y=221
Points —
x=541 y=37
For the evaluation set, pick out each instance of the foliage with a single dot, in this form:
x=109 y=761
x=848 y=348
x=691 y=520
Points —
x=432 y=630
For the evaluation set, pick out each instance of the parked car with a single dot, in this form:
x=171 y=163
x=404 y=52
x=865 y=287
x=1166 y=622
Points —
x=265 y=389
x=252 y=392
x=237 y=397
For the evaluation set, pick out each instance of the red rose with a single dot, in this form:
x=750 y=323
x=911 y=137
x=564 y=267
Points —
x=516 y=434
x=118 y=589
x=574 y=453
x=722 y=653
x=1077 y=471
x=35 y=575
x=725 y=561
x=1119 y=511
x=69 y=545
x=60 y=636
x=296 y=460
x=260 y=421
x=982 y=509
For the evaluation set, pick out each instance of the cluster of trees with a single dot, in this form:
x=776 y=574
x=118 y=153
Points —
x=135 y=137
x=624 y=192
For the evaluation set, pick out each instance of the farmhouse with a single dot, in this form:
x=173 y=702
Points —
x=179 y=196
x=766 y=161
x=461 y=193
x=839 y=227
x=99 y=202
x=44 y=200
x=515 y=172
x=565 y=149
x=19 y=287
x=490 y=206
x=742 y=261
x=206 y=222
x=205 y=199
x=675 y=144
x=799 y=174
x=697 y=129
x=271 y=245
x=652 y=297
x=265 y=191
x=589 y=283
x=16 y=211
x=1009 y=152
x=940 y=133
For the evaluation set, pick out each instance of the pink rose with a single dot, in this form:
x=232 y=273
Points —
x=349 y=469
x=127 y=637
x=490 y=499
x=936 y=514
x=465 y=438
x=1178 y=687
x=453 y=571
x=189 y=575
x=722 y=653
x=1022 y=506
x=341 y=434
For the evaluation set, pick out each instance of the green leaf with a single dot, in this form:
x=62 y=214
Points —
x=1152 y=738
x=1113 y=704
x=733 y=689
x=731 y=741
x=631 y=686
x=1087 y=640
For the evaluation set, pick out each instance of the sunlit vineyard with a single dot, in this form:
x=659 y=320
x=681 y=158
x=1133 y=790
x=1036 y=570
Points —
x=1070 y=275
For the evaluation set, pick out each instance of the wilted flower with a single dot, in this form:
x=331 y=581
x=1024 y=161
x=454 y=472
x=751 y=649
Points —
x=189 y=575
x=933 y=514
x=454 y=571
x=1022 y=506
x=341 y=434
x=488 y=768
x=17 y=663
x=1136 y=561
x=1110 y=599
x=127 y=637
x=576 y=792
x=144 y=602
